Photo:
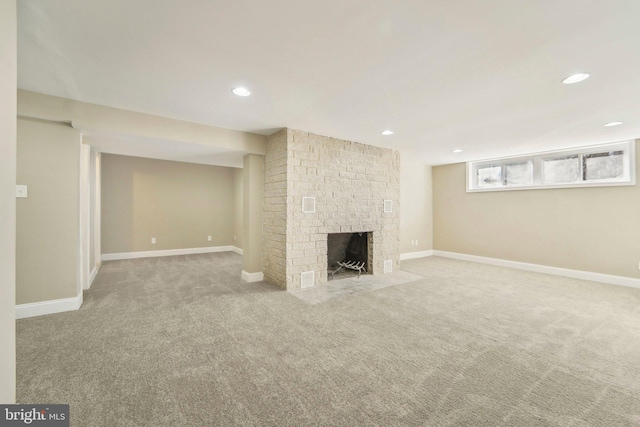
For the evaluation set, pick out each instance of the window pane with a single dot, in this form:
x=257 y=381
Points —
x=561 y=169
x=520 y=173
x=489 y=176
x=607 y=165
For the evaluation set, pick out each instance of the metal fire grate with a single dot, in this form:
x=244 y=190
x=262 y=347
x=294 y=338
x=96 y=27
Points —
x=355 y=255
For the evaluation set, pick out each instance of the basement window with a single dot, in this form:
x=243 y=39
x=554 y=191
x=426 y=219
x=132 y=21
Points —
x=595 y=166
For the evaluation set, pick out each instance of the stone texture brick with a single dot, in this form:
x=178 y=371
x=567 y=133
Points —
x=350 y=182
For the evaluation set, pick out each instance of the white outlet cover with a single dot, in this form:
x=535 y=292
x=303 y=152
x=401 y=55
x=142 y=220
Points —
x=388 y=206
x=21 y=191
x=153 y=240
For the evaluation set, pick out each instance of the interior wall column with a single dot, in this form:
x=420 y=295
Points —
x=253 y=185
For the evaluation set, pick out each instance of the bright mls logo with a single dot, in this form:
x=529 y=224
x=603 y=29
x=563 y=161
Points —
x=34 y=415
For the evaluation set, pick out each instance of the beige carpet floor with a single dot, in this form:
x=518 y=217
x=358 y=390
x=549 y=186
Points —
x=180 y=341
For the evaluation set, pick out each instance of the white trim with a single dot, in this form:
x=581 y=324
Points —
x=237 y=250
x=93 y=275
x=84 y=215
x=413 y=255
x=545 y=269
x=167 y=252
x=48 y=307
x=252 y=277
x=97 y=211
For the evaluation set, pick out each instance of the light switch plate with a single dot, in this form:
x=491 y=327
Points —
x=21 y=191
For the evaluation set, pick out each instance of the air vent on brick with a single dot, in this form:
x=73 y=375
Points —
x=308 y=204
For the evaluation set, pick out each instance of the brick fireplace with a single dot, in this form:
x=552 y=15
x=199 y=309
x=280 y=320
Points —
x=315 y=186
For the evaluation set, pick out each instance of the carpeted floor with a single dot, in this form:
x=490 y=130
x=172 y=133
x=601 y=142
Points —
x=180 y=341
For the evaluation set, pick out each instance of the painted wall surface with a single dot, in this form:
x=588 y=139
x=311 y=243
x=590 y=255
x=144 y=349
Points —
x=179 y=204
x=48 y=219
x=8 y=82
x=416 y=199
x=253 y=188
x=107 y=121
x=238 y=198
x=590 y=229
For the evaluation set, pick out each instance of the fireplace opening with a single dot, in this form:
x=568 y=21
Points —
x=347 y=255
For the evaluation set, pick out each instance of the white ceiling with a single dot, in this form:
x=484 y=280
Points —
x=483 y=76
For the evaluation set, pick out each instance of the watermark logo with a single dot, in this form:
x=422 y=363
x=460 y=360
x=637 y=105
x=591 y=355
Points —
x=34 y=415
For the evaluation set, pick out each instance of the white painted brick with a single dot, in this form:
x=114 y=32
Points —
x=349 y=180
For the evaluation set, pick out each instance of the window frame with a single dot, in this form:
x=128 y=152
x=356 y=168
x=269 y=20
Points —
x=628 y=175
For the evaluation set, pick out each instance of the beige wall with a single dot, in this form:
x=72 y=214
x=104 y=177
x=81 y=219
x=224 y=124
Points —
x=416 y=200
x=253 y=185
x=179 y=204
x=589 y=229
x=48 y=219
x=238 y=198
x=106 y=120
x=8 y=79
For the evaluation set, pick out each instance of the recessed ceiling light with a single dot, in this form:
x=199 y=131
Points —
x=575 y=78
x=457 y=150
x=387 y=132
x=611 y=124
x=241 y=91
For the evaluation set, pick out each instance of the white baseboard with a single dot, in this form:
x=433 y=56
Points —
x=413 y=255
x=557 y=271
x=93 y=274
x=48 y=307
x=252 y=277
x=237 y=250
x=167 y=252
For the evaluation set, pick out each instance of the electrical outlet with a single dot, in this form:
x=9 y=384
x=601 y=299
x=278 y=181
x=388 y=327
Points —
x=209 y=238
x=234 y=238
x=153 y=240
x=21 y=191
x=638 y=265
x=416 y=243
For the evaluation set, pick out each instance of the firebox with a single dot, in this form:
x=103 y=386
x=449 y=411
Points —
x=348 y=254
